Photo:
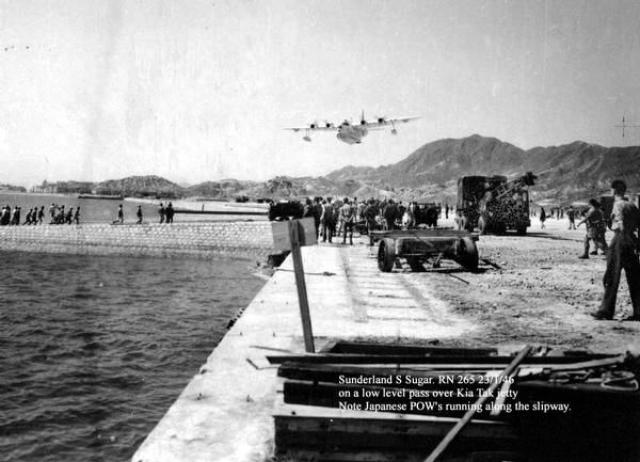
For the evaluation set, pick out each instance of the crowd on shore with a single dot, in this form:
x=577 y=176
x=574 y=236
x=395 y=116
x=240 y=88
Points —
x=339 y=217
x=36 y=216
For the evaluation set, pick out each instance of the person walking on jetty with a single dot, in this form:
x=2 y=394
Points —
x=169 y=213
x=347 y=213
x=161 y=212
x=15 y=219
x=41 y=215
x=596 y=227
x=69 y=217
x=5 y=216
x=120 y=219
x=27 y=220
x=59 y=219
x=52 y=211
x=622 y=254
x=139 y=215
x=543 y=217
x=76 y=217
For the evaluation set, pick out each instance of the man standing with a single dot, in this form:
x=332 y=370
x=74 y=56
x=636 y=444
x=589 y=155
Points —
x=327 y=220
x=161 y=212
x=347 y=217
x=390 y=214
x=571 y=214
x=317 y=214
x=625 y=220
x=169 y=213
x=594 y=220
x=120 y=214
x=139 y=215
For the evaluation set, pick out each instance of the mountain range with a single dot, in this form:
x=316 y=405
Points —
x=566 y=173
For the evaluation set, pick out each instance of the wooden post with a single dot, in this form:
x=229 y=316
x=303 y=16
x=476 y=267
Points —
x=296 y=255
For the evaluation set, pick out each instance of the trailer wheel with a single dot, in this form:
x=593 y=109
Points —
x=468 y=253
x=415 y=264
x=386 y=255
x=482 y=226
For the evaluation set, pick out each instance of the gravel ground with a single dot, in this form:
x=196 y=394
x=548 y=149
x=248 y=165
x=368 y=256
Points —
x=542 y=294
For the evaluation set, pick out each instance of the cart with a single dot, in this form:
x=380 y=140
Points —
x=419 y=245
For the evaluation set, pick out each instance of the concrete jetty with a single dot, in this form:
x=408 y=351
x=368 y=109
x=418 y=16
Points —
x=225 y=412
x=250 y=239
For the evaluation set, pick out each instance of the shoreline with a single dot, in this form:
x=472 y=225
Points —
x=236 y=239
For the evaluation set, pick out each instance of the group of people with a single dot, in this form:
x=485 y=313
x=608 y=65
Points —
x=622 y=252
x=594 y=221
x=36 y=216
x=339 y=217
x=166 y=214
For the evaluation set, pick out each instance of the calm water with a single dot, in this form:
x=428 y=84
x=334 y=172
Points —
x=93 y=350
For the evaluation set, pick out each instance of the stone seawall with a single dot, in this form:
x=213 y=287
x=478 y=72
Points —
x=202 y=240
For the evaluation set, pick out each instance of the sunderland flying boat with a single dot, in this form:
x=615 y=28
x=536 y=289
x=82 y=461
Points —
x=353 y=133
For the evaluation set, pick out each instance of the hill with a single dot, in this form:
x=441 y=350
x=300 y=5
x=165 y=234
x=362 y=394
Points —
x=141 y=186
x=569 y=172
x=574 y=171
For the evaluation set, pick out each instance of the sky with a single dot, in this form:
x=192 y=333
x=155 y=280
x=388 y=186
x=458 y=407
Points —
x=201 y=90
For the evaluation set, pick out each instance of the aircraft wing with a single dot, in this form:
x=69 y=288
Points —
x=384 y=122
x=314 y=128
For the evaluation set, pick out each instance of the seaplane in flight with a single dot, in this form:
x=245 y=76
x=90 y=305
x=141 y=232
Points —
x=353 y=133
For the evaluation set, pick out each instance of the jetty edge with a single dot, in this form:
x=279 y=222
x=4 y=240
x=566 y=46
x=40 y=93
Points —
x=226 y=412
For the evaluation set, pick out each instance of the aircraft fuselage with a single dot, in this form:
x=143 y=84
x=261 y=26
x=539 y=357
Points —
x=351 y=134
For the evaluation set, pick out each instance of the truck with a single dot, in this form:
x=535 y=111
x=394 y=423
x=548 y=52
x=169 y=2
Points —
x=493 y=204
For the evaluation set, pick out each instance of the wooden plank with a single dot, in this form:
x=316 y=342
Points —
x=446 y=402
x=333 y=429
x=358 y=455
x=344 y=347
x=454 y=362
x=282 y=237
x=364 y=455
x=399 y=377
x=296 y=239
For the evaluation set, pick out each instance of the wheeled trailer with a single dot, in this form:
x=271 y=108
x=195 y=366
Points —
x=419 y=245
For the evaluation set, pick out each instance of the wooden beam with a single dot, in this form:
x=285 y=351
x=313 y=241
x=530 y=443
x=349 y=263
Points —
x=296 y=255
x=454 y=362
x=331 y=429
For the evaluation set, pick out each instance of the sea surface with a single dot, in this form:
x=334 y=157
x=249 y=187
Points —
x=94 y=350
